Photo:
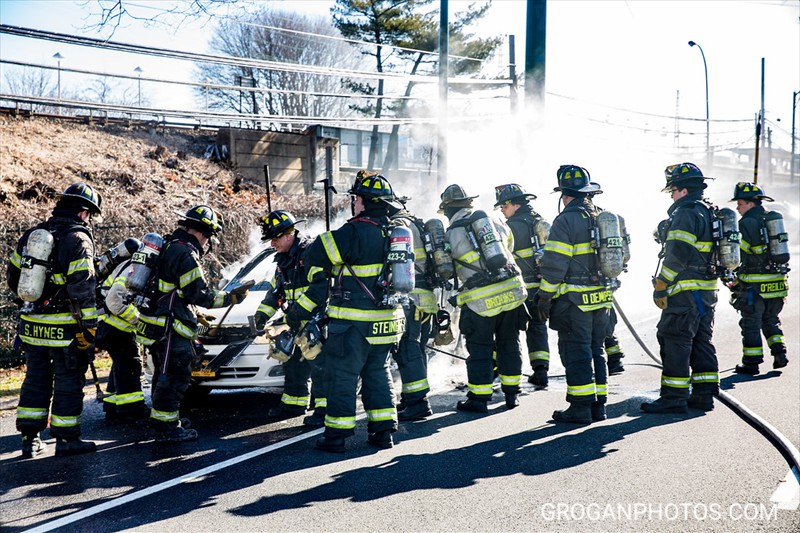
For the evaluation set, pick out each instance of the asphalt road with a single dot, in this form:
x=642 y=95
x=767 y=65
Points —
x=505 y=471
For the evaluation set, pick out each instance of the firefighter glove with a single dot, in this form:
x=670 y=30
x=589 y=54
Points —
x=261 y=320
x=238 y=297
x=293 y=317
x=203 y=320
x=660 y=293
x=542 y=302
x=84 y=340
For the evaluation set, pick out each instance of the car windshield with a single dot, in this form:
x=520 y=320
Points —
x=259 y=268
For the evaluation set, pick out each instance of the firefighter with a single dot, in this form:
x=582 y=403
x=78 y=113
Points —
x=364 y=323
x=575 y=296
x=117 y=336
x=169 y=323
x=761 y=290
x=686 y=292
x=491 y=297
x=289 y=284
x=514 y=203
x=52 y=270
x=411 y=357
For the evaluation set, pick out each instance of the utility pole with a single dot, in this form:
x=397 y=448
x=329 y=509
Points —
x=794 y=115
x=512 y=74
x=441 y=144
x=535 y=48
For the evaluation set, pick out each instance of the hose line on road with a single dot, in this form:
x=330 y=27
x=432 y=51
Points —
x=783 y=445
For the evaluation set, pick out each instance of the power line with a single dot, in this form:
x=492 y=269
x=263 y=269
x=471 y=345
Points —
x=228 y=60
x=318 y=35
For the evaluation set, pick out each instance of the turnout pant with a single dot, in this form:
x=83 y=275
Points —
x=684 y=337
x=536 y=339
x=125 y=383
x=483 y=335
x=169 y=388
x=349 y=356
x=410 y=356
x=297 y=372
x=613 y=351
x=580 y=346
x=57 y=373
x=759 y=315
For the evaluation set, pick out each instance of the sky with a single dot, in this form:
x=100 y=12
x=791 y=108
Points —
x=617 y=73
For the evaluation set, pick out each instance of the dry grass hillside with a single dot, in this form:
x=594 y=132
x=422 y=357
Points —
x=144 y=174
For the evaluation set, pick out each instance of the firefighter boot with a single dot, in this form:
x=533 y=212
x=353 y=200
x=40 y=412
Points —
x=419 y=410
x=779 y=360
x=381 y=439
x=703 y=402
x=283 y=412
x=664 y=405
x=598 y=411
x=315 y=419
x=472 y=405
x=32 y=445
x=512 y=401
x=539 y=378
x=615 y=366
x=176 y=434
x=576 y=413
x=750 y=369
x=330 y=444
x=73 y=446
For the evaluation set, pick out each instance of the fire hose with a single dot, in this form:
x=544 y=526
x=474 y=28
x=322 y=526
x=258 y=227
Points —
x=784 y=445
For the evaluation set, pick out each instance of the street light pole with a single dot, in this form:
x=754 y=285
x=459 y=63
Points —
x=794 y=114
x=58 y=57
x=138 y=71
x=708 y=137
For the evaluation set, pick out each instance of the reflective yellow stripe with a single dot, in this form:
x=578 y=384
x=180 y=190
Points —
x=31 y=413
x=416 y=386
x=329 y=243
x=581 y=390
x=58 y=421
x=705 y=377
x=164 y=416
x=342 y=422
x=190 y=276
x=301 y=401
x=306 y=303
x=78 y=265
x=267 y=310
x=583 y=248
x=131 y=397
x=365 y=271
x=675 y=383
x=667 y=274
x=380 y=415
x=55 y=318
x=558 y=247
x=692 y=285
x=364 y=315
x=15 y=259
x=509 y=381
x=480 y=390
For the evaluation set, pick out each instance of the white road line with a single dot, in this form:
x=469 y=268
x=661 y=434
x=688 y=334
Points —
x=122 y=500
x=787 y=495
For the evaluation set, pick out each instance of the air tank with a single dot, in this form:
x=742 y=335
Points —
x=491 y=248
x=144 y=261
x=778 y=238
x=401 y=259
x=107 y=262
x=610 y=244
x=33 y=273
x=439 y=248
x=728 y=244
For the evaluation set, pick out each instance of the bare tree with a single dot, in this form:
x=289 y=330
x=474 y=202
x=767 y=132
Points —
x=300 y=40
x=28 y=81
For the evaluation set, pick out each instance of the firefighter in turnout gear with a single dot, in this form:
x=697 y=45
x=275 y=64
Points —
x=529 y=230
x=576 y=297
x=289 y=284
x=411 y=357
x=169 y=324
x=761 y=289
x=364 y=322
x=686 y=292
x=117 y=335
x=491 y=296
x=58 y=320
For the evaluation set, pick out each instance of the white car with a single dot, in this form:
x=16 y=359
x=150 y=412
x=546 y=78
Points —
x=254 y=367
